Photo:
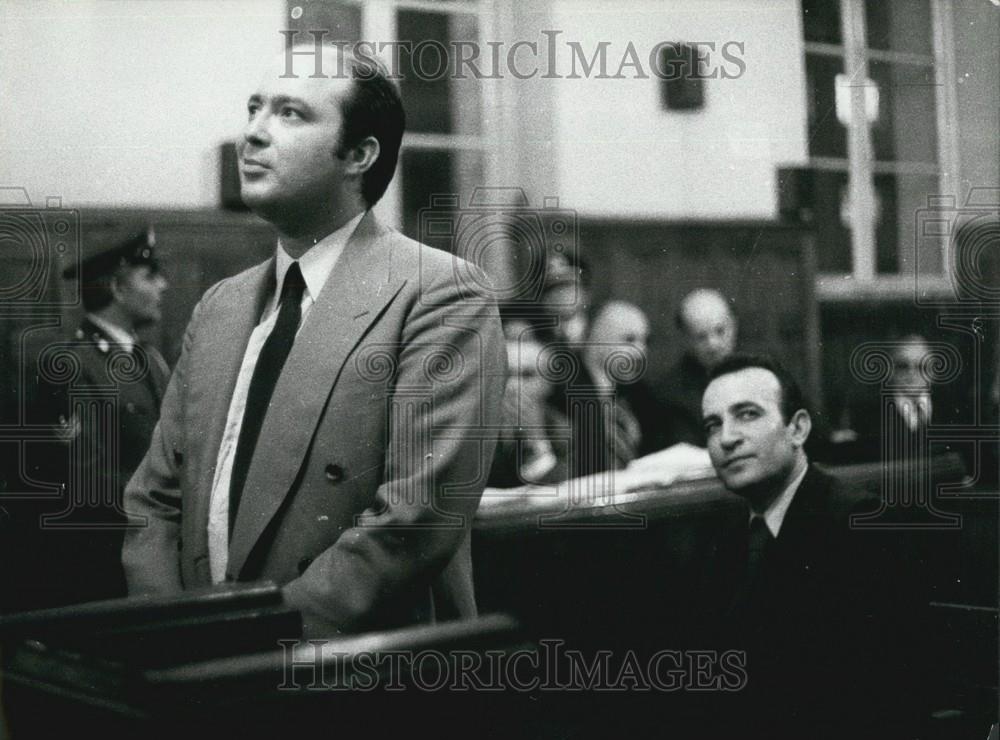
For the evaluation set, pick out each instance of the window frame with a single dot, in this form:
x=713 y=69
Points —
x=864 y=282
x=379 y=22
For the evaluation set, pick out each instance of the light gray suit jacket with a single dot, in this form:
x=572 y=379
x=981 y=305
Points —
x=372 y=456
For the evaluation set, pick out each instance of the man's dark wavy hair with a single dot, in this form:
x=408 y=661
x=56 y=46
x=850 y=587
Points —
x=373 y=108
x=791 y=394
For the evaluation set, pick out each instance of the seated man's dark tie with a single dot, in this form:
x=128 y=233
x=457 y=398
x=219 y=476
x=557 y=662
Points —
x=265 y=377
x=759 y=537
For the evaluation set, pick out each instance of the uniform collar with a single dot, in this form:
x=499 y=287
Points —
x=112 y=333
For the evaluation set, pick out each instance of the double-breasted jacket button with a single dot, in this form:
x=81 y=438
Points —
x=334 y=473
x=130 y=407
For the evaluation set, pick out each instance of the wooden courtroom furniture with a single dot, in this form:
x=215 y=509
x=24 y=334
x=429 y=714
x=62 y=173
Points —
x=579 y=573
x=590 y=575
x=609 y=558
x=81 y=670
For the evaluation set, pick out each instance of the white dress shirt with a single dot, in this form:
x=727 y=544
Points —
x=316 y=266
x=915 y=409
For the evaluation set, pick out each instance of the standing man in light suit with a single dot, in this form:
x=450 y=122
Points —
x=327 y=426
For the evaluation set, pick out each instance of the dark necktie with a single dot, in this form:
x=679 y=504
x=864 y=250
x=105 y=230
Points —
x=265 y=376
x=759 y=536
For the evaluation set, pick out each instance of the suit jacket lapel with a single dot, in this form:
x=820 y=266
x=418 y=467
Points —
x=808 y=520
x=361 y=284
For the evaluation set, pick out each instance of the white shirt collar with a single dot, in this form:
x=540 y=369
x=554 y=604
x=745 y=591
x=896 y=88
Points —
x=914 y=408
x=318 y=261
x=115 y=333
x=774 y=515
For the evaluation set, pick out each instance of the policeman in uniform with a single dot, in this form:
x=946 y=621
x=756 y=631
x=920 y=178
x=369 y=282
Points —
x=122 y=289
x=104 y=416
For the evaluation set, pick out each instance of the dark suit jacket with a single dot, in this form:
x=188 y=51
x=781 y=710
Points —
x=371 y=460
x=140 y=388
x=69 y=548
x=829 y=625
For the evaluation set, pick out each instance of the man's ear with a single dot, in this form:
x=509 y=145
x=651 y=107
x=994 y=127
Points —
x=115 y=286
x=801 y=425
x=362 y=156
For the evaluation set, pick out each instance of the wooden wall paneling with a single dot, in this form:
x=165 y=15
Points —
x=767 y=269
x=196 y=249
x=197 y=255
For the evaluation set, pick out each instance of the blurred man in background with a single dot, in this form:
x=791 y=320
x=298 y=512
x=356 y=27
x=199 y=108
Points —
x=616 y=358
x=890 y=421
x=576 y=400
x=532 y=445
x=709 y=328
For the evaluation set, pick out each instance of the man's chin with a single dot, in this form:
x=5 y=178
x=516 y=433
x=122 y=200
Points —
x=265 y=206
x=253 y=198
x=742 y=483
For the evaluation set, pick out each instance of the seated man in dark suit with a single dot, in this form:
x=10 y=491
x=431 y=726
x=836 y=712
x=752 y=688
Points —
x=890 y=421
x=815 y=608
x=708 y=326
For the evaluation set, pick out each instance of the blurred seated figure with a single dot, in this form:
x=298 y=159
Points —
x=888 y=421
x=709 y=328
x=525 y=452
x=575 y=398
x=564 y=301
x=615 y=356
